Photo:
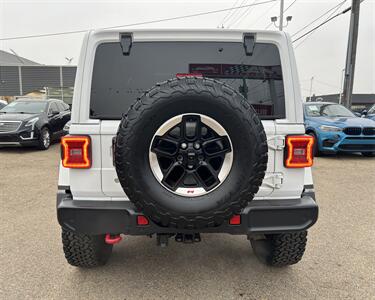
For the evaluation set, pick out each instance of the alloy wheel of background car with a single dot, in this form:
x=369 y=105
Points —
x=190 y=153
x=44 y=139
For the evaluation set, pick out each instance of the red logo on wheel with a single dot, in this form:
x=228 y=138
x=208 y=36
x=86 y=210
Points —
x=190 y=191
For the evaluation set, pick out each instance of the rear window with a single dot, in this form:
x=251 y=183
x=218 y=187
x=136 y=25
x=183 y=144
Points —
x=118 y=80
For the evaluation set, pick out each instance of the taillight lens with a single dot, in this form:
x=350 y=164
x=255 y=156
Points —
x=76 y=152
x=142 y=220
x=299 y=151
x=235 y=220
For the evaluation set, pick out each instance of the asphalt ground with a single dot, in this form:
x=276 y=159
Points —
x=339 y=261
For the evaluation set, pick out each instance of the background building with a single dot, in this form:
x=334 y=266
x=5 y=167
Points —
x=22 y=77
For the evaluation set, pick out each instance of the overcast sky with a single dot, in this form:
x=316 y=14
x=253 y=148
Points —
x=321 y=55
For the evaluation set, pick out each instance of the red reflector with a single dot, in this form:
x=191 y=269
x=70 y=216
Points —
x=299 y=152
x=178 y=75
x=235 y=220
x=142 y=220
x=76 y=152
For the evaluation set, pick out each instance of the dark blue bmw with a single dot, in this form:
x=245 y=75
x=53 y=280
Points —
x=336 y=129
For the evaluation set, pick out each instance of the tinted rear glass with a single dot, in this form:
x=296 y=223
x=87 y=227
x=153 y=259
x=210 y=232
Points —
x=118 y=80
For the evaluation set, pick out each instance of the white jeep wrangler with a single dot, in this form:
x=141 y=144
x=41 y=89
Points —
x=180 y=132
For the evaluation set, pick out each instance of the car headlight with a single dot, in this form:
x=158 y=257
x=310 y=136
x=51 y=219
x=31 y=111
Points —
x=67 y=126
x=330 y=128
x=32 y=122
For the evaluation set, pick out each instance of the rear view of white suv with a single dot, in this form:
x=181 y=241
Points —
x=180 y=132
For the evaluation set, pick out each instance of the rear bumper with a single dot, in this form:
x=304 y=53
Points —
x=259 y=217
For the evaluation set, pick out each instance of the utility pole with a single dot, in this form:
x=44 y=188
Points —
x=341 y=85
x=351 y=54
x=281 y=19
x=311 y=85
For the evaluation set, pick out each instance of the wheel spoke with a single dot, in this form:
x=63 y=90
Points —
x=191 y=127
x=164 y=147
x=217 y=146
x=207 y=176
x=174 y=176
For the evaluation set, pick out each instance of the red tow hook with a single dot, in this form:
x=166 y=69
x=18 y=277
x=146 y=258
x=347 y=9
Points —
x=112 y=239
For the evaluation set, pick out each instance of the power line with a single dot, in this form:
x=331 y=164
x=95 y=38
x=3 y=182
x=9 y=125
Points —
x=139 y=23
x=283 y=11
x=261 y=16
x=330 y=15
x=321 y=16
x=235 y=12
x=246 y=12
x=321 y=24
x=228 y=13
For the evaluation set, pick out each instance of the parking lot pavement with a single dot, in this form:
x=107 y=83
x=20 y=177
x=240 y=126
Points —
x=339 y=261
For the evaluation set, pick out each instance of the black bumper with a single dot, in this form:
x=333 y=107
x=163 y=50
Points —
x=259 y=217
x=19 y=138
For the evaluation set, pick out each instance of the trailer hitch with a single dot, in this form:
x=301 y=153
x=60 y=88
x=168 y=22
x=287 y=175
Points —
x=188 y=238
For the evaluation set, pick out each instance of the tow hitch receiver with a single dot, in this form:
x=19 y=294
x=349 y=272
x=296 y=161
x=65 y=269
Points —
x=188 y=238
x=112 y=239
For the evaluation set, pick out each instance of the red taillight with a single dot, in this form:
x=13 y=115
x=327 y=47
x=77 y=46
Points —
x=76 y=152
x=142 y=220
x=178 y=75
x=235 y=220
x=299 y=151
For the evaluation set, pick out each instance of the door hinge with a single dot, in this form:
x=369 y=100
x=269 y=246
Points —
x=126 y=41
x=113 y=150
x=274 y=180
x=276 y=142
x=249 y=43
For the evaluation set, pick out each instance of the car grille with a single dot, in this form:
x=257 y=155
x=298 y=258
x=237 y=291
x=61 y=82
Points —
x=353 y=130
x=357 y=147
x=369 y=131
x=7 y=126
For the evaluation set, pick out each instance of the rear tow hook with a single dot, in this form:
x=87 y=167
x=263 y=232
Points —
x=112 y=239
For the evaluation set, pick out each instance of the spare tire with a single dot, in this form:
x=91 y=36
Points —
x=190 y=153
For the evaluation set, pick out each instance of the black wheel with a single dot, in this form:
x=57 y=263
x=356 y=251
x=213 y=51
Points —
x=280 y=250
x=190 y=153
x=368 y=154
x=44 y=139
x=85 y=251
x=316 y=151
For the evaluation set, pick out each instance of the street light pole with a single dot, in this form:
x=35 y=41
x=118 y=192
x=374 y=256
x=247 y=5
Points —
x=281 y=19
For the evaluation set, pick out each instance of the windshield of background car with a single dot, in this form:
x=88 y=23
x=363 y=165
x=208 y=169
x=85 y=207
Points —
x=25 y=107
x=327 y=110
x=118 y=80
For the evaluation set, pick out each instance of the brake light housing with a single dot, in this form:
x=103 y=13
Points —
x=299 y=151
x=76 y=152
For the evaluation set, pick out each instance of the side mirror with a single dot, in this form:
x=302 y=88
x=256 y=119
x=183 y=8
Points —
x=364 y=112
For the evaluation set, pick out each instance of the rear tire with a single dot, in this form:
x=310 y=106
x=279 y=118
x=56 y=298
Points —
x=280 y=250
x=85 y=251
